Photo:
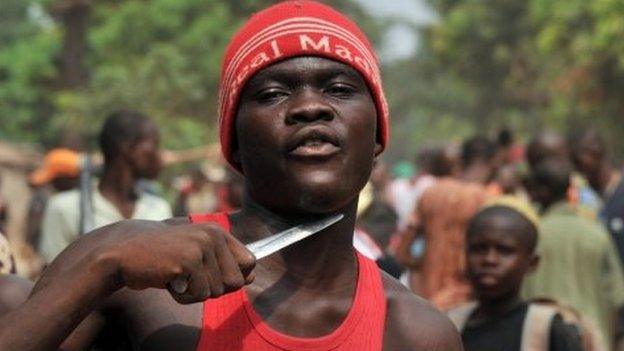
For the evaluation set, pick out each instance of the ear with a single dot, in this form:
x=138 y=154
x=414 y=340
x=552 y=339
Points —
x=533 y=264
x=378 y=150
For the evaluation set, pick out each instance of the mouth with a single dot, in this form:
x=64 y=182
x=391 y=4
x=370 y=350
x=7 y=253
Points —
x=314 y=143
x=487 y=279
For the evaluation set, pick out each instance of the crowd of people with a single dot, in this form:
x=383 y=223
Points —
x=519 y=244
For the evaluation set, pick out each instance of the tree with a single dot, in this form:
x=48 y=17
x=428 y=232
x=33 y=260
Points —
x=525 y=64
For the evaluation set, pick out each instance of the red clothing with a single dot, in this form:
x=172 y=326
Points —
x=444 y=211
x=230 y=322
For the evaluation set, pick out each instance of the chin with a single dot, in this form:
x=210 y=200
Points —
x=312 y=193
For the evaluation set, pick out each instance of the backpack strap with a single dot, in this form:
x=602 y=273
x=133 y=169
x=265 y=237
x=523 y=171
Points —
x=536 y=328
x=459 y=316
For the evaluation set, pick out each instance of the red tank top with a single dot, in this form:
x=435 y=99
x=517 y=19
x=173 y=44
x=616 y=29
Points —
x=230 y=322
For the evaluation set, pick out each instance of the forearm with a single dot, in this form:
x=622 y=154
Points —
x=55 y=309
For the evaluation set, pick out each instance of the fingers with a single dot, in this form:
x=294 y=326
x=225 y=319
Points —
x=225 y=265
x=231 y=273
x=245 y=259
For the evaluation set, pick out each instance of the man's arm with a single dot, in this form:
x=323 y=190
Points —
x=133 y=254
x=13 y=292
x=53 y=311
x=413 y=324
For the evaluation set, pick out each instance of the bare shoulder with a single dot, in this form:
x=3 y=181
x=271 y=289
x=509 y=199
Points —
x=413 y=324
x=14 y=291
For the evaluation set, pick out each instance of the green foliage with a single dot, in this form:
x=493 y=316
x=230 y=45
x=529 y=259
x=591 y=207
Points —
x=527 y=64
x=26 y=68
x=162 y=57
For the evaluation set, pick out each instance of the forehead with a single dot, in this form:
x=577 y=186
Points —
x=147 y=131
x=306 y=67
x=497 y=228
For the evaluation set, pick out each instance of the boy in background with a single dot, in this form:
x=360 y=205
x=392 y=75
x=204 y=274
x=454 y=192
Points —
x=501 y=240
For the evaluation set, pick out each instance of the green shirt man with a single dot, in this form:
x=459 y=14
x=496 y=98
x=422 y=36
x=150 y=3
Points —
x=579 y=267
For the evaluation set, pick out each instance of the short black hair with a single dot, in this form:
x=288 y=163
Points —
x=581 y=138
x=505 y=137
x=526 y=229
x=545 y=146
x=121 y=126
x=478 y=148
x=553 y=174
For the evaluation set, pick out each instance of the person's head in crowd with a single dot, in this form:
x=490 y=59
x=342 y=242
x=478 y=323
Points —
x=589 y=154
x=547 y=145
x=478 y=159
x=504 y=143
x=500 y=251
x=505 y=138
x=549 y=182
x=130 y=140
x=380 y=220
x=434 y=160
x=61 y=169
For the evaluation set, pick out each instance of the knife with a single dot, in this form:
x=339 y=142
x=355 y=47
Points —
x=267 y=246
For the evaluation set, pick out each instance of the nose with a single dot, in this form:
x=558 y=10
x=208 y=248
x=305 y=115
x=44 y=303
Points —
x=309 y=106
x=491 y=257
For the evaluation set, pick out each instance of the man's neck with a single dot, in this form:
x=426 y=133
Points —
x=118 y=186
x=323 y=259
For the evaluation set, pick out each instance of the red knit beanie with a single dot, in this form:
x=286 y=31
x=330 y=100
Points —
x=290 y=29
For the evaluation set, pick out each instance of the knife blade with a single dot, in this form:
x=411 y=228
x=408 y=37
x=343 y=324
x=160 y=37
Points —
x=267 y=246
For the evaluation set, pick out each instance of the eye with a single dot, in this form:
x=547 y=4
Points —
x=506 y=250
x=341 y=90
x=477 y=248
x=270 y=96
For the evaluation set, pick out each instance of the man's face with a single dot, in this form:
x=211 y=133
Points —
x=145 y=154
x=589 y=158
x=497 y=258
x=306 y=131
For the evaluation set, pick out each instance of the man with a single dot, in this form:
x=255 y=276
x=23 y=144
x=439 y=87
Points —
x=304 y=122
x=549 y=145
x=591 y=159
x=432 y=161
x=130 y=144
x=589 y=154
x=579 y=264
x=441 y=217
